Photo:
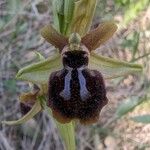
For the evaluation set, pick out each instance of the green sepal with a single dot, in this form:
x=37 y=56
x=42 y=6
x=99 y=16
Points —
x=112 y=68
x=35 y=109
x=82 y=16
x=39 y=73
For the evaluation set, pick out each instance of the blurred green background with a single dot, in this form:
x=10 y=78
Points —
x=124 y=122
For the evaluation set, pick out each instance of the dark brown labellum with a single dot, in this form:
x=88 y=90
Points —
x=76 y=92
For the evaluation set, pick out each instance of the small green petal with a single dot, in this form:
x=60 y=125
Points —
x=35 y=109
x=39 y=73
x=111 y=68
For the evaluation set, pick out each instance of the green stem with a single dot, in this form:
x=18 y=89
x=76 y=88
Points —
x=66 y=131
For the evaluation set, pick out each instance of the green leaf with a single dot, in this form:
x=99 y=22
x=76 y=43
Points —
x=128 y=105
x=142 y=119
x=35 y=109
x=66 y=131
x=39 y=72
x=82 y=16
x=112 y=68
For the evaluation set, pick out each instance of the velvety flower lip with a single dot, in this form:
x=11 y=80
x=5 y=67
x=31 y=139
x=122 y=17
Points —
x=74 y=108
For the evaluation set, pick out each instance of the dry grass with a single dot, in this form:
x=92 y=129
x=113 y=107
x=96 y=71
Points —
x=19 y=37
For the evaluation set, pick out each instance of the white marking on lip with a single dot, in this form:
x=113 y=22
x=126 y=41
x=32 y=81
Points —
x=66 y=93
x=84 y=93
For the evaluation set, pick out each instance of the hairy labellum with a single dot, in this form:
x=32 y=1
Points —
x=76 y=92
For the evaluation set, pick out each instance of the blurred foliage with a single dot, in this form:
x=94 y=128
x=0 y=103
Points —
x=128 y=105
x=131 y=8
x=132 y=42
x=143 y=118
x=10 y=86
x=123 y=2
x=13 y=8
